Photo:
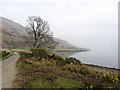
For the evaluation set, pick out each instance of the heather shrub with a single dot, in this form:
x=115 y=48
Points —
x=110 y=80
x=55 y=57
x=76 y=69
x=39 y=53
x=72 y=60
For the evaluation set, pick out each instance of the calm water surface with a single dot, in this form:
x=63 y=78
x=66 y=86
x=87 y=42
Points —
x=107 y=58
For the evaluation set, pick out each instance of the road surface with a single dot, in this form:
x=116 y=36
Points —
x=9 y=70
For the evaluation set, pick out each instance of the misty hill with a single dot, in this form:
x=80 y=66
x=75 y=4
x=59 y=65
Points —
x=14 y=35
x=62 y=44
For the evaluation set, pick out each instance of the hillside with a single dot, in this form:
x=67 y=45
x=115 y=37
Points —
x=14 y=35
x=62 y=44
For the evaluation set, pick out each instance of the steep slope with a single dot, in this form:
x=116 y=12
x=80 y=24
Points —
x=12 y=34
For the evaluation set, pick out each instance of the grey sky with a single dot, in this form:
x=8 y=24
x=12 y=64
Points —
x=80 y=22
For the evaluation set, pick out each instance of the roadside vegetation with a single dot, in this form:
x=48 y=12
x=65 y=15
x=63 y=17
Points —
x=40 y=69
x=5 y=54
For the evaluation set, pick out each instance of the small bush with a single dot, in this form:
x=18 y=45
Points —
x=39 y=53
x=72 y=60
x=5 y=53
x=84 y=70
x=55 y=57
x=59 y=60
x=110 y=80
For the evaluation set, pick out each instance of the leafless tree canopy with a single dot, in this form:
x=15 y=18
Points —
x=39 y=33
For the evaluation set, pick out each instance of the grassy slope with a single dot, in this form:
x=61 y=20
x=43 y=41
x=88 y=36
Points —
x=48 y=73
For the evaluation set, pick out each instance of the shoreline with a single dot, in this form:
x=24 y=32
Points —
x=93 y=66
x=90 y=65
x=102 y=68
x=72 y=50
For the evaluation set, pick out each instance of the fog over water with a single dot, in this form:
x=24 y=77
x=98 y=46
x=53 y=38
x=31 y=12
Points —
x=98 y=58
x=104 y=49
x=91 y=24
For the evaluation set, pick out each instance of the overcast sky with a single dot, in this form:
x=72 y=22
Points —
x=80 y=22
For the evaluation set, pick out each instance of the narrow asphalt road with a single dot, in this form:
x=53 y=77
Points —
x=9 y=70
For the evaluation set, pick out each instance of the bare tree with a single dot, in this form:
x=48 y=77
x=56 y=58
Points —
x=39 y=33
